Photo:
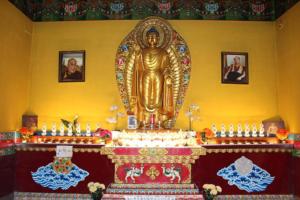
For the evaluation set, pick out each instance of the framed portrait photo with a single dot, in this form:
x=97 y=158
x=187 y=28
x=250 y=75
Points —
x=235 y=67
x=132 y=122
x=272 y=126
x=71 y=66
x=30 y=121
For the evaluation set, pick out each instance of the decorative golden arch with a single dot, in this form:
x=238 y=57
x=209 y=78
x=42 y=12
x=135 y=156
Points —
x=173 y=44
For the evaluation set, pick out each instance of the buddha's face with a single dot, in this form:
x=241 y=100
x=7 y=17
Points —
x=152 y=39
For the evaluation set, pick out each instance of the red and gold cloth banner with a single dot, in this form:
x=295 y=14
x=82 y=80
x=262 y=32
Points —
x=153 y=165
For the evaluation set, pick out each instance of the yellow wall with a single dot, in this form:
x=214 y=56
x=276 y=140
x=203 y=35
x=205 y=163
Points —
x=15 y=45
x=288 y=46
x=91 y=100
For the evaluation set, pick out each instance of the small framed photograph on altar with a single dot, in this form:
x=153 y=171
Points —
x=71 y=66
x=234 y=67
x=30 y=121
x=132 y=122
x=271 y=126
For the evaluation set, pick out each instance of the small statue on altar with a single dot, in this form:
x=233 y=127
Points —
x=223 y=130
x=152 y=76
x=261 y=130
x=44 y=130
x=62 y=129
x=53 y=129
x=247 y=130
x=239 y=130
x=88 y=130
x=70 y=130
x=214 y=129
x=78 y=129
x=254 y=130
x=231 y=130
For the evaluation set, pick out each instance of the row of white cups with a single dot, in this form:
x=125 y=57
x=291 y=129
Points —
x=247 y=131
x=240 y=131
x=69 y=132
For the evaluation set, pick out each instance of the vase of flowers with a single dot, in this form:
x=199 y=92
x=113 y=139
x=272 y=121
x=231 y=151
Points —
x=211 y=191
x=105 y=135
x=71 y=124
x=282 y=134
x=192 y=115
x=26 y=134
x=116 y=115
x=96 y=189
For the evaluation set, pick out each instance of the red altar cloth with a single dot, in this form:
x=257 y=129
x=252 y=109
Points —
x=281 y=165
x=99 y=167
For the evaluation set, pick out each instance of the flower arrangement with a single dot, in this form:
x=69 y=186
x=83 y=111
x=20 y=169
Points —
x=116 y=115
x=191 y=113
x=208 y=133
x=104 y=134
x=96 y=189
x=199 y=137
x=26 y=133
x=282 y=134
x=72 y=124
x=211 y=191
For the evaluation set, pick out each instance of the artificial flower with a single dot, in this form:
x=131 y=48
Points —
x=96 y=189
x=219 y=189
x=210 y=191
x=103 y=133
x=188 y=114
x=120 y=114
x=26 y=133
x=213 y=192
x=114 y=107
x=102 y=186
x=111 y=120
x=90 y=184
x=194 y=107
x=93 y=188
x=282 y=134
x=205 y=186
x=208 y=133
x=97 y=185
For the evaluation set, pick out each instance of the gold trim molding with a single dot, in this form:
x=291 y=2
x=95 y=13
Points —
x=153 y=155
x=250 y=150
x=50 y=149
x=148 y=155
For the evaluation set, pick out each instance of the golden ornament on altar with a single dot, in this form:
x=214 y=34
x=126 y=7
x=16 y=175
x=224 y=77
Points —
x=153 y=72
x=152 y=172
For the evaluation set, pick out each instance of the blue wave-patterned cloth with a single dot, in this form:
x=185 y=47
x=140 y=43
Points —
x=47 y=177
x=256 y=180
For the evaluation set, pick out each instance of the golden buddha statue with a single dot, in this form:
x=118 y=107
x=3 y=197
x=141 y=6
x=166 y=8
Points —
x=153 y=69
x=153 y=81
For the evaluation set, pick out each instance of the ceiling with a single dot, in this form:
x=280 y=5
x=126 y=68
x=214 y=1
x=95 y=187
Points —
x=65 y=10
